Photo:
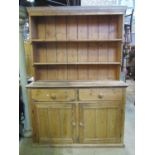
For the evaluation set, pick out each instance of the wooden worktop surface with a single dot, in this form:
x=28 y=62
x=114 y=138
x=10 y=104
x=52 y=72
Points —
x=72 y=84
x=76 y=10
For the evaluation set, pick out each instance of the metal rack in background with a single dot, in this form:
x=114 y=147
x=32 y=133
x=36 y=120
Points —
x=50 y=2
x=127 y=46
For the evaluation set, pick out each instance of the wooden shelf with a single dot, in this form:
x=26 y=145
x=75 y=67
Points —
x=74 y=10
x=78 y=63
x=75 y=83
x=106 y=40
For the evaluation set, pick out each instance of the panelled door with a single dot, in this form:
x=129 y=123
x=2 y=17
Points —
x=55 y=122
x=100 y=122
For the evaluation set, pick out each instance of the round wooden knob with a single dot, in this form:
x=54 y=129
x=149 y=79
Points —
x=100 y=96
x=81 y=124
x=53 y=96
x=73 y=123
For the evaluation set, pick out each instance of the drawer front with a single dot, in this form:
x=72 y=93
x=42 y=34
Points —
x=53 y=94
x=100 y=94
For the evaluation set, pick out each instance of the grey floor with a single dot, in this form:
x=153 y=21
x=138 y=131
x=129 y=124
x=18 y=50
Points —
x=129 y=149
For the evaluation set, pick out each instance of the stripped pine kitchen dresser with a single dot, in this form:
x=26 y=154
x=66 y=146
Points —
x=77 y=98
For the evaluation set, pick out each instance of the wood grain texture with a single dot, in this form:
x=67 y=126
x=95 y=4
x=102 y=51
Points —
x=93 y=31
x=93 y=52
x=103 y=64
x=42 y=121
x=103 y=52
x=54 y=122
x=29 y=58
x=51 y=53
x=60 y=28
x=76 y=10
x=82 y=27
x=71 y=28
x=41 y=28
x=54 y=95
x=71 y=52
x=72 y=72
x=122 y=122
x=99 y=123
x=83 y=72
x=40 y=53
x=51 y=73
x=78 y=84
x=32 y=27
x=82 y=52
x=103 y=27
x=62 y=72
x=77 y=41
x=120 y=28
x=41 y=73
x=61 y=52
x=50 y=27
x=100 y=94
x=112 y=53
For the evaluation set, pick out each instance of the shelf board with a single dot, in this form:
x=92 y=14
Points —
x=76 y=10
x=78 y=63
x=77 y=83
x=106 y=40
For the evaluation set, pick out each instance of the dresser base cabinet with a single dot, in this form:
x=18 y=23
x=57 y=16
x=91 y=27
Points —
x=77 y=115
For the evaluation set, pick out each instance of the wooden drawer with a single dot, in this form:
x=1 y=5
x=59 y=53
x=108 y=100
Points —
x=53 y=94
x=100 y=94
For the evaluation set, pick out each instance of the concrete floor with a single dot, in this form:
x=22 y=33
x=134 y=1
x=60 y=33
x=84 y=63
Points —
x=129 y=149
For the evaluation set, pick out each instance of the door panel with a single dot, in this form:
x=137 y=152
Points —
x=100 y=122
x=89 y=123
x=42 y=120
x=55 y=122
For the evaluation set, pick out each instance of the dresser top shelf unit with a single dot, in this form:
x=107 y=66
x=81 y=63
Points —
x=76 y=43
